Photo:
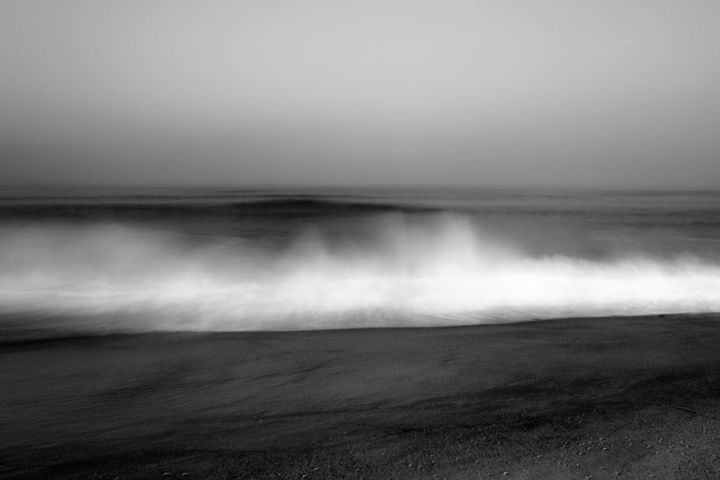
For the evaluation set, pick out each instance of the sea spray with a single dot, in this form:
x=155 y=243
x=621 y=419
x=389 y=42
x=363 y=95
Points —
x=437 y=269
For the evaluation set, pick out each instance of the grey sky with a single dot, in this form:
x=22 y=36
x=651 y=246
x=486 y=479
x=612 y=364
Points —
x=571 y=92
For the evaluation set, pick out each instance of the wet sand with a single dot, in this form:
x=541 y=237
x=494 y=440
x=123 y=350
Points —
x=566 y=399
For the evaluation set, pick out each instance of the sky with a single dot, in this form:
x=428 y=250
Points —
x=614 y=93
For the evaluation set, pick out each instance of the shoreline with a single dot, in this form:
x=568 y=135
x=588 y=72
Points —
x=605 y=397
x=12 y=323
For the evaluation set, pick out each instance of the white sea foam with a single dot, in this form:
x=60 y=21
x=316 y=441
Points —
x=443 y=271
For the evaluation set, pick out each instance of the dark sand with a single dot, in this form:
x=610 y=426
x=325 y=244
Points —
x=594 y=398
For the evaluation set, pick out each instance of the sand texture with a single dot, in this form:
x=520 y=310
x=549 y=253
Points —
x=598 y=398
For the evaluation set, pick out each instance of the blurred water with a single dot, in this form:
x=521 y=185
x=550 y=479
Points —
x=222 y=259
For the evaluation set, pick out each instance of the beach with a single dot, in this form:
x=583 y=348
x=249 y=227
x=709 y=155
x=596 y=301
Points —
x=614 y=397
x=328 y=240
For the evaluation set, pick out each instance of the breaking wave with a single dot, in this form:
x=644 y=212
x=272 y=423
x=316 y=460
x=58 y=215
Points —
x=441 y=271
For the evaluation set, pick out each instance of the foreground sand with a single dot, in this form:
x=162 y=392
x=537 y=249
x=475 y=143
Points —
x=594 y=398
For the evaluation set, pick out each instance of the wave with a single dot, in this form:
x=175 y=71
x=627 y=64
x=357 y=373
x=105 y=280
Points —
x=126 y=207
x=443 y=270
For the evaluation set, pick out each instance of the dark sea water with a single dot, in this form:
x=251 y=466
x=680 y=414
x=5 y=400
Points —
x=254 y=259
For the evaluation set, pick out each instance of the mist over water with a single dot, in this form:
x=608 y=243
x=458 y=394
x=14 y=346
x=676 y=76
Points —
x=304 y=263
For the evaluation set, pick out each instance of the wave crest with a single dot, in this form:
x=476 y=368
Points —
x=442 y=270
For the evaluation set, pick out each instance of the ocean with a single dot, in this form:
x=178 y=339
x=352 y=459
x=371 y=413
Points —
x=221 y=259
